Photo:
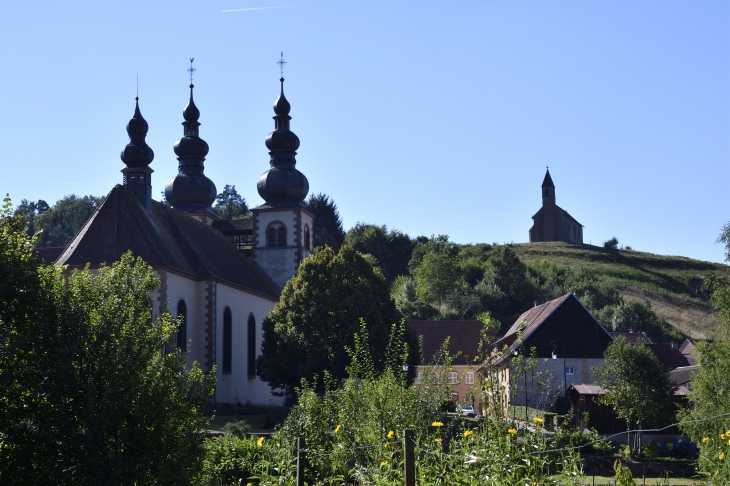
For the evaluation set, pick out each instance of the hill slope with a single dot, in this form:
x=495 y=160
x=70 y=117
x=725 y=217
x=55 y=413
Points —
x=671 y=283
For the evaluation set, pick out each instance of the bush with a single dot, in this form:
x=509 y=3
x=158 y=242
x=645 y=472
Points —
x=237 y=428
x=611 y=244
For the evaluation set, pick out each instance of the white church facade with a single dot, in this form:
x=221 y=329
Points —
x=222 y=277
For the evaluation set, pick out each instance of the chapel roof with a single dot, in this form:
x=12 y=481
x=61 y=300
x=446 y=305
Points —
x=165 y=239
x=560 y=210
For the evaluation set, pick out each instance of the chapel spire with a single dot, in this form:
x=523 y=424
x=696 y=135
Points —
x=282 y=185
x=137 y=156
x=548 y=189
x=190 y=191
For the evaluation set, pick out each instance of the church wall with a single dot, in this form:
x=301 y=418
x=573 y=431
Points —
x=286 y=216
x=237 y=383
x=179 y=287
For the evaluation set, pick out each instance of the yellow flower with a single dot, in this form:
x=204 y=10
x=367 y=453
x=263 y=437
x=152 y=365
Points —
x=383 y=463
x=722 y=436
x=337 y=429
x=705 y=440
x=437 y=424
x=467 y=433
x=385 y=446
x=539 y=420
x=391 y=434
x=437 y=440
x=721 y=456
x=727 y=433
x=728 y=442
x=410 y=426
x=260 y=442
x=512 y=431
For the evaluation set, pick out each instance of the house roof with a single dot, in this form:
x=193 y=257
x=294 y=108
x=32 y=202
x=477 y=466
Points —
x=465 y=337
x=682 y=378
x=165 y=239
x=562 y=325
x=587 y=389
x=669 y=356
x=49 y=254
x=632 y=336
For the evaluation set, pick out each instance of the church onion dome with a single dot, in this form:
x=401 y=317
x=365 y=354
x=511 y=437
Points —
x=190 y=190
x=282 y=185
x=137 y=153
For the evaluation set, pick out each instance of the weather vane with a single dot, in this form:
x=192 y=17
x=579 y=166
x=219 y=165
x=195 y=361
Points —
x=281 y=63
x=191 y=69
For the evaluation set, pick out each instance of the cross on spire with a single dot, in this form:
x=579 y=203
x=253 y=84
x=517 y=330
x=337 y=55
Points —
x=191 y=69
x=281 y=63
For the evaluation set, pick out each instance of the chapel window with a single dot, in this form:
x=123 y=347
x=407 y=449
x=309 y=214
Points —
x=251 y=351
x=182 y=335
x=227 y=338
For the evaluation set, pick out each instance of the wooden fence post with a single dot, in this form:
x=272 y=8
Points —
x=301 y=459
x=409 y=459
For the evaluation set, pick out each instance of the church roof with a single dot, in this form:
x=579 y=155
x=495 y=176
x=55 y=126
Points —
x=548 y=181
x=560 y=210
x=165 y=239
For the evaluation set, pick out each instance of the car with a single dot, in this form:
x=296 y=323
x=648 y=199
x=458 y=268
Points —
x=466 y=410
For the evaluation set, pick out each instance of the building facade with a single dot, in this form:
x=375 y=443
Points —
x=551 y=222
x=219 y=278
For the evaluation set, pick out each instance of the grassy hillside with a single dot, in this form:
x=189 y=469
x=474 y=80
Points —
x=667 y=281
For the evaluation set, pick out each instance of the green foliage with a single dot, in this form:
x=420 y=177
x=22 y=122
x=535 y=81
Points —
x=237 y=428
x=57 y=225
x=638 y=316
x=403 y=290
x=392 y=249
x=636 y=385
x=437 y=269
x=87 y=396
x=711 y=387
x=623 y=474
x=319 y=312
x=490 y=323
x=328 y=229
x=230 y=205
x=611 y=244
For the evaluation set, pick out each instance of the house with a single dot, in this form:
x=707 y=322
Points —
x=551 y=222
x=464 y=339
x=566 y=342
x=221 y=277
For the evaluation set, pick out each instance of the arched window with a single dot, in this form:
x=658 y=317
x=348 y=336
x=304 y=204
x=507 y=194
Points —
x=182 y=334
x=251 y=352
x=227 y=338
x=306 y=237
x=276 y=234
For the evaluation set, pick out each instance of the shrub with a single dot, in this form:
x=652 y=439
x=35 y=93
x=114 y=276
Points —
x=611 y=244
x=237 y=428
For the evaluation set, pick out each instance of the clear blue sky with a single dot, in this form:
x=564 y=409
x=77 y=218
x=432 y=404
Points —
x=430 y=117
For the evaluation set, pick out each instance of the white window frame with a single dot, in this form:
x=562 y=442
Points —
x=469 y=377
x=453 y=378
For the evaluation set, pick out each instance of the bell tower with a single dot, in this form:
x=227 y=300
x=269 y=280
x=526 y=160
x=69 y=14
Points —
x=282 y=226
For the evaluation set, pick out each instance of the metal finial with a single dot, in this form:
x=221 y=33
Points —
x=281 y=63
x=137 y=98
x=191 y=69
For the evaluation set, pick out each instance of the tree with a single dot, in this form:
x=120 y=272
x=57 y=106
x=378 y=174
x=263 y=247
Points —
x=710 y=396
x=327 y=223
x=392 y=249
x=57 y=226
x=86 y=394
x=229 y=204
x=311 y=327
x=436 y=276
x=637 y=386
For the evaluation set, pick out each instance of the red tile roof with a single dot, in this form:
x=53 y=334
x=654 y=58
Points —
x=465 y=337
x=165 y=239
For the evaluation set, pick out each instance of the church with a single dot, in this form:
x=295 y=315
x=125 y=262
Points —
x=222 y=277
x=551 y=222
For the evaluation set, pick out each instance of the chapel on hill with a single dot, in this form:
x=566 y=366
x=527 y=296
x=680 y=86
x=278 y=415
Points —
x=551 y=222
x=223 y=277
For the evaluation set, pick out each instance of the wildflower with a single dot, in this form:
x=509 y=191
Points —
x=383 y=463
x=385 y=446
x=721 y=456
x=410 y=426
x=337 y=429
x=727 y=433
x=728 y=442
x=705 y=440
x=467 y=433
x=437 y=424
x=437 y=440
x=512 y=431
x=539 y=420
x=722 y=436
x=260 y=442
x=391 y=434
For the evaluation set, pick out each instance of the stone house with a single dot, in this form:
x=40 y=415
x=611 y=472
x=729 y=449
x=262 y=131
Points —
x=566 y=342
